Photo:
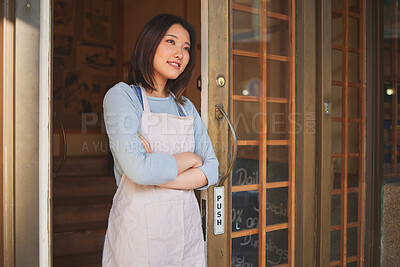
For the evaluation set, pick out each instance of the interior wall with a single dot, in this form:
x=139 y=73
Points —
x=137 y=13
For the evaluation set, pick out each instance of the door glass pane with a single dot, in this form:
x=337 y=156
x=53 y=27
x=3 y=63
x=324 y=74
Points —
x=353 y=105
x=277 y=164
x=337 y=29
x=249 y=3
x=335 y=209
x=277 y=121
x=278 y=79
x=246 y=31
x=353 y=135
x=354 y=68
x=278 y=6
x=277 y=36
x=336 y=137
x=337 y=4
x=354 y=6
x=336 y=101
x=246 y=168
x=245 y=251
x=246 y=76
x=246 y=120
x=337 y=173
x=352 y=234
x=352 y=172
x=352 y=207
x=277 y=247
x=244 y=210
x=354 y=30
x=337 y=65
x=335 y=245
x=277 y=205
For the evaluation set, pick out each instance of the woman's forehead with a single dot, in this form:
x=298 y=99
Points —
x=179 y=32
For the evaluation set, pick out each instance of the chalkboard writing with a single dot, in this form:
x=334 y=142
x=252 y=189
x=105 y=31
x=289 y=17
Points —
x=246 y=172
x=245 y=249
x=244 y=210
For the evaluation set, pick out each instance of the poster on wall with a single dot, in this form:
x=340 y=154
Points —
x=76 y=93
x=97 y=24
x=64 y=16
x=97 y=59
x=62 y=44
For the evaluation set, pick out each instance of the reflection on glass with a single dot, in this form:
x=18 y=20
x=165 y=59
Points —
x=336 y=65
x=244 y=210
x=335 y=245
x=354 y=67
x=387 y=58
x=352 y=264
x=277 y=79
x=277 y=37
x=249 y=3
x=352 y=172
x=335 y=210
x=246 y=168
x=337 y=173
x=353 y=135
x=246 y=120
x=352 y=242
x=245 y=251
x=277 y=164
x=353 y=100
x=246 y=28
x=354 y=32
x=354 y=6
x=277 y=247
x=278 y=6
x=336 y=101
x=337 y=29
x=277 y=121
x=336 y=137
x=337 y=4
x=277 y=206
x=246 y=76
x=352 y=207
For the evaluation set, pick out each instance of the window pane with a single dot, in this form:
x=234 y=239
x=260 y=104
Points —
x=244 y=210
x=277 y=247
x=246 y=120
x=335 y=245
x=337 y=101
x=277 y=121
x=337 y=30
x=246 y=76
x=278 y=6
x=352 y=207
x=336 y=137
x=277 y=205
x=246 y=28
x=246 y=168
x=277 y=37
x=245 y=251
x=277 y=164
x=277 y=79
x=352 y=234
x=337 y=65
x=335 y=209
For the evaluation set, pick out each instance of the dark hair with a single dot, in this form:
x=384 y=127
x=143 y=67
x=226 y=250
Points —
x=140 y=69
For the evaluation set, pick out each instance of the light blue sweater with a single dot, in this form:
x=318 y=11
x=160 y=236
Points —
x=122 y=113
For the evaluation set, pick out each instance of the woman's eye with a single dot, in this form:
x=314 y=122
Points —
x=171 y=41
x=187 y=49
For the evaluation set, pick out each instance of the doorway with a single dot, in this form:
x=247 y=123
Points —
x=93 y=42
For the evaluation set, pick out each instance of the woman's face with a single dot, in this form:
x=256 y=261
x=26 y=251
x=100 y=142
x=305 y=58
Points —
x=172 y=54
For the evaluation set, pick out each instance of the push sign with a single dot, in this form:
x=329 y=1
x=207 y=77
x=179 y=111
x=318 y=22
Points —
x=219 y=210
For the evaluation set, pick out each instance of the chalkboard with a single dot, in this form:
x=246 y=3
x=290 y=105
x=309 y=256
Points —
x=244 y=210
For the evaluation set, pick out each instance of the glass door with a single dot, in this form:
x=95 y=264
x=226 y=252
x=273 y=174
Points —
x=348 y=133
x=261 y=100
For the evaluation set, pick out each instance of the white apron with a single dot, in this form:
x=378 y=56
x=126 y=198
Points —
x=151 y=225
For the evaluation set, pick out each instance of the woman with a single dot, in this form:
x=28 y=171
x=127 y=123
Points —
x=161 y=152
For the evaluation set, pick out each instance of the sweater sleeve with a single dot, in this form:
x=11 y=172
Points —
x=203 y=147
x=122 y=113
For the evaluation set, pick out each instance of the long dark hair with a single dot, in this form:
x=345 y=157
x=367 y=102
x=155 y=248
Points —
x=141 y=70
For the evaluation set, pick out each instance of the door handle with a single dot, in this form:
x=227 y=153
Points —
x=64 y=145
x=222 y=177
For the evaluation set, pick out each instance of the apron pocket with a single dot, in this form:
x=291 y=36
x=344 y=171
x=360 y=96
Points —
x=165 y=232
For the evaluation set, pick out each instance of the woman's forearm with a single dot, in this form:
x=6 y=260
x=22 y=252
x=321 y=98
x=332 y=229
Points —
x=190 y=179
x=187 y=160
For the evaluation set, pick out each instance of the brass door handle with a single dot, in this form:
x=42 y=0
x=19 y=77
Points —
x=222 y=177
x=64 y=145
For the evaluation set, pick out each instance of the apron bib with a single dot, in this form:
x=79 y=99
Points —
x=150 y=225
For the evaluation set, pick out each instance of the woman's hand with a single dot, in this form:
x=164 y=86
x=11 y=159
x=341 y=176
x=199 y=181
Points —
x=187 y=160
x=145 y=143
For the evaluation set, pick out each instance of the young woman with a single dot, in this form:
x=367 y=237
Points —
x=161 y=152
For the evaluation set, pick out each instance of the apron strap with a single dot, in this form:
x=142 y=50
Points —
x=146 y=107
x=180 y=107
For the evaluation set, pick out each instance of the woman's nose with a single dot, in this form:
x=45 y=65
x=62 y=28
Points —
x=178 y=53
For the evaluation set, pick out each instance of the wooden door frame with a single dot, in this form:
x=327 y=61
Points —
x=306 y=137
x=8 y=121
